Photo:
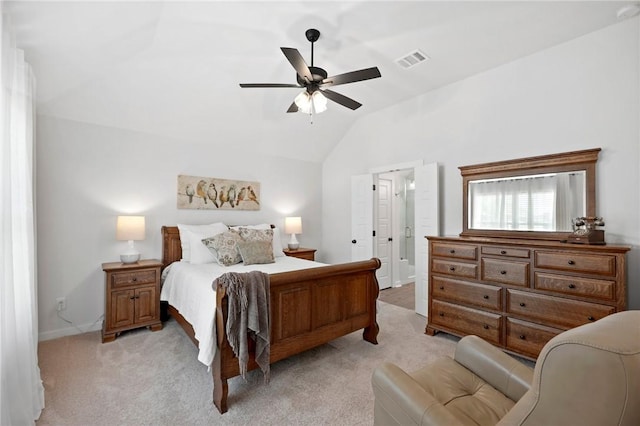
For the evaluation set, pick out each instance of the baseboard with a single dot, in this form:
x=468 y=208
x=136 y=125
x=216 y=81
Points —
x=69 y=331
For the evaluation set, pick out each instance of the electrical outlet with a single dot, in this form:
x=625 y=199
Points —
x=61 y=303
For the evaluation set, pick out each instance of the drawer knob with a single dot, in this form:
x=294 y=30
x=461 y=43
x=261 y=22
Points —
x=452 y=251
x=452 y=268
x=523 y=304
x=441 y=314
x=486 y=327
x=132 y=297
x=134 y=279
x=522 y=337
x=571 y=262
x=485 y=296
x=572 y=286
x=503 y=272
x=590 y=318
x=441 y=287
x=503 y=252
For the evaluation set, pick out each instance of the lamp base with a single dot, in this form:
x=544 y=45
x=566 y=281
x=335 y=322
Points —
x=129 y=258
x=293 y=246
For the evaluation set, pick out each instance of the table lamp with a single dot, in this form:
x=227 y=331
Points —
x=130 y=228
x=293 y=226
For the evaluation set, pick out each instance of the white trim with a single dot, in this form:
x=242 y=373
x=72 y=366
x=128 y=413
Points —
x=69 y=331
x=396 y=167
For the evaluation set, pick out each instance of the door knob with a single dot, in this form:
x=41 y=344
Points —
x=353 y=241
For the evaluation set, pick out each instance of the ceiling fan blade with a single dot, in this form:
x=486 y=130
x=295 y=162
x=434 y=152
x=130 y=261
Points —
x=351 y=77
x=254 y=85
x=341 y=99
x=293 y=108
x=298 y=62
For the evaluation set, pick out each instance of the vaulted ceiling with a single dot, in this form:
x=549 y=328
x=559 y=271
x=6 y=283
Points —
x=172 y=68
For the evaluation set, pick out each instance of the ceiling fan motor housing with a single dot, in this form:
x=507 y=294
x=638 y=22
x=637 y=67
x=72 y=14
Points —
x=318 y=75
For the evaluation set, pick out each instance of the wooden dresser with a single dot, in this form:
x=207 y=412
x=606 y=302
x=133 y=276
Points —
x=518 y=294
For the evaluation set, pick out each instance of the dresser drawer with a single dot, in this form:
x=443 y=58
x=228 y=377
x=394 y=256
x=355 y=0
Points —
x=505 y=272
x=506 y=251
x=528 y=338
x=466 y=320
x=123 y=279
x=482 y=295
x=458 y=251
x=600 y=264
x=459 y=269
x=576 y=286
x=554 y=311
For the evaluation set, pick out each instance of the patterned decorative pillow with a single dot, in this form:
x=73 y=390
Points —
x=249 y=234
x=256 y=252
x=224 y=248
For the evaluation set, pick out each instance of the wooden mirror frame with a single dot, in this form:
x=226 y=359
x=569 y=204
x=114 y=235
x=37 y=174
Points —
x=563 y=162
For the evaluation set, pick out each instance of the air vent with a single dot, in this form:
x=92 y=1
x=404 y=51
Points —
x=412 y=59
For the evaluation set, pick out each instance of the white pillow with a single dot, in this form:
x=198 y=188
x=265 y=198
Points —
x=199 y=232
x=277 y=244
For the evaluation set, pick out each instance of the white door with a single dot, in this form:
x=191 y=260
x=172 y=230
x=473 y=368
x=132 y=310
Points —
x=426 y=224
x=361 y=217
x=384 y=232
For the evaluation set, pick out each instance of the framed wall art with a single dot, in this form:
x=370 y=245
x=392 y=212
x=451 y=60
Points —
x=205 y=193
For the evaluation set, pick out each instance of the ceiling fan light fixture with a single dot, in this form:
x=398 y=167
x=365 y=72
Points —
x=314 y=103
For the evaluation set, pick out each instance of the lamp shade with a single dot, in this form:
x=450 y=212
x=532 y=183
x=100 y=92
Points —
x=293 y=225
x=130 y=228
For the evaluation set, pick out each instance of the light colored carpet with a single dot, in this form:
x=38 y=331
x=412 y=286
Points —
x=147 y=378
x=403 y=296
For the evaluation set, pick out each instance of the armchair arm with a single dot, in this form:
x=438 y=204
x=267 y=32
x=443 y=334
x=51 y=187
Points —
x=401 y=400
x=500 y=370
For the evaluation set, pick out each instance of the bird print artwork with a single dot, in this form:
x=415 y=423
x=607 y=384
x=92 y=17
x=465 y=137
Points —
x=223 y=195
x=212 y=193
x=201 y=190
x=241 y=195
x=190 y=192
x=231 y=195
x=206 y=193
x=252 y=195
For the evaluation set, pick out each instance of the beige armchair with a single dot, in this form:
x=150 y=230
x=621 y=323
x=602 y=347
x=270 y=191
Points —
x=589 y=375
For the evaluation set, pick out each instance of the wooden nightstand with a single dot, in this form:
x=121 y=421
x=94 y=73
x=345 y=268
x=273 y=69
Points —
x=301 y=253
x=132 y=297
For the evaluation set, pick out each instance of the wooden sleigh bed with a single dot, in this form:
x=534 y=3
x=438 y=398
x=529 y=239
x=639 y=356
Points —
x=309 y=307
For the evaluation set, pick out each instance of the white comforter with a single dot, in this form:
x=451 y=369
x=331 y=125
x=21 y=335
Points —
x=188 y=288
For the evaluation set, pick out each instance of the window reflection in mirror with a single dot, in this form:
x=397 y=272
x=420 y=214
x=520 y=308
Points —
x=544 y=202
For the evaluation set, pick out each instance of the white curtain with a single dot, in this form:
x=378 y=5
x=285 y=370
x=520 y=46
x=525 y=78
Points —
x=21 y=390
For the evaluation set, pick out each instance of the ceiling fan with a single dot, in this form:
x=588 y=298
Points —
x=314 y=80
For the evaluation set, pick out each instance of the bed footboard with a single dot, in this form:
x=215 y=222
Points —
x=308 y=308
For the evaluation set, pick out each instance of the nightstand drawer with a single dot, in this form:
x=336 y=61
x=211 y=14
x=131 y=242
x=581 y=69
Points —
x=123 y=279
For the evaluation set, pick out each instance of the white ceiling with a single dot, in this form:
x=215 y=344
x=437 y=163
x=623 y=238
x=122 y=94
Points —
x=172 y=68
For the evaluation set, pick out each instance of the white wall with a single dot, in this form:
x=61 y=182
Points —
x=87 y=175
x=578 y=95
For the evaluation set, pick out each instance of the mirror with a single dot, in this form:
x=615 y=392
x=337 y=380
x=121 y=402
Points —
x=534 y=198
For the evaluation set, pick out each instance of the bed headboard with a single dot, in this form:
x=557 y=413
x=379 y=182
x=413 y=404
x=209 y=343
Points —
x=171 y=247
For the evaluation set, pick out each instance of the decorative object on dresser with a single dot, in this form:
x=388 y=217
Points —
x=132 y=297
x=130 y=228
x=585 y=231
x=293 y=226
x=301 y=253
x=518 y=286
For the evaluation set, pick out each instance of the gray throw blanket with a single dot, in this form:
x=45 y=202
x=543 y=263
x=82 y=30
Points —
x=248 y=316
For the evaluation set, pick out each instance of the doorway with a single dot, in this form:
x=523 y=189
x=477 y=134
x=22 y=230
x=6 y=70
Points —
x=395 y=226
x=364 y=216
